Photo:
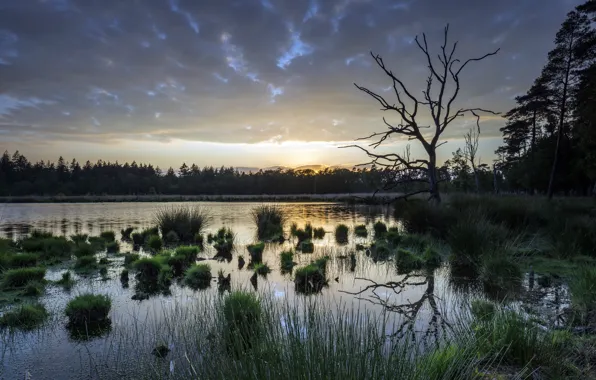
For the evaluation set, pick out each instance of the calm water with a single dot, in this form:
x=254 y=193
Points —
x=431 y=303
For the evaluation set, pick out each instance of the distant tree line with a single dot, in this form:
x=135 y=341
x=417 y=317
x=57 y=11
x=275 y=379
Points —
x=550 y=135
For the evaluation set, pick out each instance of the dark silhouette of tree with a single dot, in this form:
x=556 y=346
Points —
x=442 y=89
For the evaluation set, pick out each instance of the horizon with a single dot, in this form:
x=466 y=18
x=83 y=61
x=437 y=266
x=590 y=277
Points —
x=259 y=83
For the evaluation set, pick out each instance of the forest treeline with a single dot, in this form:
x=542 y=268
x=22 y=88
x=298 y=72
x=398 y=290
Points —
x=549 y=147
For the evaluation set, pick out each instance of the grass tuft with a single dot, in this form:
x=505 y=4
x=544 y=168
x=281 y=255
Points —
x=18 y=278
x=341 y=234
x=88 y=308
x=269 y=220
x=25 y=317
x=198 y=276
x=360 y=230
x=185 y=222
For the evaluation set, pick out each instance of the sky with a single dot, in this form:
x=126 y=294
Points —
x=248 y=83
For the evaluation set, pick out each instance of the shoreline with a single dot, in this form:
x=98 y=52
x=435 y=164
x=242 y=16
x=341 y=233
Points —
x=337 y=197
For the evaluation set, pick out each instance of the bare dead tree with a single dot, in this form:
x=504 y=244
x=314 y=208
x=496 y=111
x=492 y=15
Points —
x=471 y=153
x=442 y=88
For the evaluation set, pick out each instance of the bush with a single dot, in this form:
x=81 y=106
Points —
x=198 y=276
x=154 y=243
x=287 y=260
x=380 y=228
x=86 y=262
x=126 y=233
x=22 y=260
x=262 y=269
x=269 y=220
x=319 y=233
x=186 y=222
x=256 y=251
x=17 y=278
x=113 y=247
x=130 y=258
x=242 y=315
x=341 y=234
x=360 y=230
x=88 y=308
x=108 y=236
x=583 y=294
x=24 y=317
x=307 y=246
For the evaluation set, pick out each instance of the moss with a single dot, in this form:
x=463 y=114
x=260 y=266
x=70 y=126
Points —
x=341 y=234
x=360 y=230
x=17 y=278
x=88 y=308
x=198 y=276
x=24 y=317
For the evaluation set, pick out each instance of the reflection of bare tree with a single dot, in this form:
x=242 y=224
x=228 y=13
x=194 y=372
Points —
x=409 y=310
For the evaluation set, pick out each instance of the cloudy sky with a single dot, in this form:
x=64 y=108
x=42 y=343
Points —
x=245 y=82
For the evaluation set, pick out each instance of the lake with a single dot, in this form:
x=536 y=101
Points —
x=425 y=301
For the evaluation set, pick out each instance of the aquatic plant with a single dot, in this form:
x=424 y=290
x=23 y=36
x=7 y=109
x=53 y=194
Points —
x=138 y=239
x=431 y=258
x=341 y=234
x=224 y=241
x=124 y=275
x=79 y=238
x=108 y=236
x=198 y=276
x=380 y=228
x=26 y=317
x=88 y=308
x=393 y=237
x=104 y=261
x=318 y=233
x=269 y=220
x=452 y=362
x=256 y=251
x=262 y=269
x=360 y=230
x=243 y=327
x=148 y=268
x=469 y=239
x=287 y=260
x=130 y=258
x=16 y=278
x=407 y=261
x=48 y=247
x=33 y=289
x=22 y=260
x=66 y=281
x=98 y=243
x=185 y=221
x=154 y=243
x=103 y=272
x=171 y=238
x=126 y=233
x=500 y=274
x=188 y=252
x=307 y=246
x=113 y=247
x=420 y=217
x=309 y=279
x=85 y=263
x=84 y=249
x=583 y=294
x=483 y=310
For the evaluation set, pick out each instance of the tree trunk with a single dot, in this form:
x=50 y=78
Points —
x=435 y=195
x=533 y=154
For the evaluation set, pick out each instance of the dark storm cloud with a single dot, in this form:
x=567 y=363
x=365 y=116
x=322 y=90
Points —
x=245 y=71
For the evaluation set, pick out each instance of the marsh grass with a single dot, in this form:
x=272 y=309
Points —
x=138 y=239
x=407 y=261
x=108 y=236
x=311 y=278
x=130 y=258
x=318 y=233
x=500 y=274
x=85 y=263
x=149 y=268
x=88 y=308
x=262 y=269
x=98 y=243
x=287 y=261
x=48 y=247
x=198 y=276
x=113 y=247
x=84 y=249
x=242 y=320
x=154 y=243
x=269 y=221
x=360 y=230
x=256 y=251
x=224 y=241
x=380 y=229
x=583 y=295
x=22 y=260
x=33 y=289
x=185 y=222
x=25 y=317
x=18 y=278
x=125 y=233
x=66 y=281
x=341 y=234
x=306 y=246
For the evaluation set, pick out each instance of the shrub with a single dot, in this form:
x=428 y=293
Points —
x=130 y=258
x=16 y=278
x=380 y=228
x=22 y=260
x=198 y=276
x=84 y=249
x=341 y=234
x=186 y=222
x=108 y=236
x=309 y=279
x=307 y=246
x=360 y=230
x=287 y=260
x=66 y=281
x=88 y=308
x=24 y=317
x=242 y=315
x=126 y=233
x=86 y=262
x=112 y=247
x=269 y=220
x=583 y=294
x=154 y=243
x=262 y=269
x=319 y=233
x=256 y=251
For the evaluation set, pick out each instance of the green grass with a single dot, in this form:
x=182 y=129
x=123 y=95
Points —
x=242 y=314
x=189 y=252
x=154 y=243
x=360 y=230
x=407 y=261
x=311 y=278
x=130 y=258
x=269 y=221
x=46 y=246
x=341 y=234
x=66 y=281
x=84 y=249
x=287 y=260
x=198 y=276
x=171 y=238
x=33 y=289
x=318 y=233
x=138 y=239
x=86 y=263
x=185 y=222
x=108 y=236
x=224 y=241
x=500 y=274
x=22 y=260
x=98 y=243
x=113 y=247
x=25 y=317
x=88 y=308
x=452 y=362
x=306 y=246
x=256 y=251
x=124 y=275
x=149 y=268
x=583 y=295
x=18 y=278
x=261 y=269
